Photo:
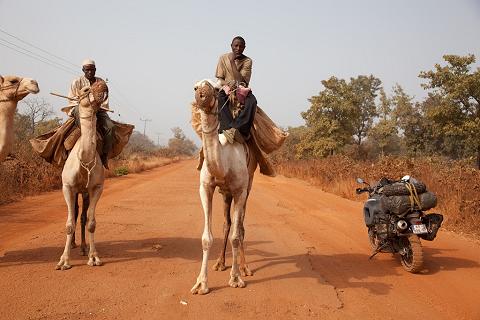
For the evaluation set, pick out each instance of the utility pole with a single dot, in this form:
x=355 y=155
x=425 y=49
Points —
x=158 y=138
x=145 y=124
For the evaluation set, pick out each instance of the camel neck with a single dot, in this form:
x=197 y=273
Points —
x=211 y=145
x=7 y=113
x=88 y=138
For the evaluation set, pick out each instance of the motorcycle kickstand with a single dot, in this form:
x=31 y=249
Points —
x=377 y=250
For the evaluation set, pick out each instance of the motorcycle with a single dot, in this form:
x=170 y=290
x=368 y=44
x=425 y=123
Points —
x=396 y=220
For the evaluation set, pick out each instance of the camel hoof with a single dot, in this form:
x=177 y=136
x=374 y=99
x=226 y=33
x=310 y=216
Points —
x=236 y=282
x=246 y=272
x=219 y=266
x=200 y=288
x=62 y=266
x=95 y=261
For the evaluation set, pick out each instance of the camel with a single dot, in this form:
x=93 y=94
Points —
x=12 y=90
x=83 y=173
x=230 y=167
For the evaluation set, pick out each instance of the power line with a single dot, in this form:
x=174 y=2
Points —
x=110 y=82
x=56 y=64
x=36 y=58
x=37 y=55
x=34 y=46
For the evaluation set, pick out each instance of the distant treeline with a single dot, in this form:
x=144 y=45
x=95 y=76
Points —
x=356 y=117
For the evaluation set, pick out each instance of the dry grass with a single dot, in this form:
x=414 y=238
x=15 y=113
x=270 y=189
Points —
x=137 y=163
x=24 y=177
x=456 y=184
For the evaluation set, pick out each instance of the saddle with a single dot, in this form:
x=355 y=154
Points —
x=54 y=146
x=266 y=137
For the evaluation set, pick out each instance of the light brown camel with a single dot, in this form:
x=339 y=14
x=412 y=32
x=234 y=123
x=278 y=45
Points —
x=231 y=168
x=12 y=90
x=83 y=172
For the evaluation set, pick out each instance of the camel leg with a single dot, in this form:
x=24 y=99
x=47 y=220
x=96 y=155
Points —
x=69 y=196
x=236 y=238
x=94 y=195
x=83 y=220
x=244 y=270
x=74 y=245
x=227 y=203
x=206 y=195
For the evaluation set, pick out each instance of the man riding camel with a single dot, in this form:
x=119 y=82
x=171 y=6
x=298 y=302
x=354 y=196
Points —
x=241 y=120
x=55 y=145
x=234 y=70
x=104 y=124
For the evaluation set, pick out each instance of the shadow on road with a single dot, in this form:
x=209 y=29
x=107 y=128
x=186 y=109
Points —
x=112 y=252
x=354 y=270
x=342 y=270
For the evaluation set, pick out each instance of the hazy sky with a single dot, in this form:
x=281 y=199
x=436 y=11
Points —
x=154 y=51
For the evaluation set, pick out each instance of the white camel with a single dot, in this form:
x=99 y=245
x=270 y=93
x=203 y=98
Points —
x=12 y=90
x=231 y=168
x=83 y=172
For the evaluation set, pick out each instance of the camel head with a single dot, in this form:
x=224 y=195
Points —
x=92 y=97
x=13 y=88
x=205 y=95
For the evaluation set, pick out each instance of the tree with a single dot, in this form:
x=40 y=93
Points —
x=179 y=144
x=37 y=110
x=363 y=91
x=139 y=143
x=384 y=133
x=289 y=149
x=409 y=119
x=328 y=120
x=341 y=112
x=457 y=90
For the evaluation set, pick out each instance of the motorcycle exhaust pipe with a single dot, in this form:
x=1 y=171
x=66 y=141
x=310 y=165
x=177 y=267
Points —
x=402 y=225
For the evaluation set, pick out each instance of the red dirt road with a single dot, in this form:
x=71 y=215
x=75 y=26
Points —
x=308 y=249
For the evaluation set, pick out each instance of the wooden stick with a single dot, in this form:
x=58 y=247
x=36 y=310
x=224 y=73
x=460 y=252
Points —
x=61 y=96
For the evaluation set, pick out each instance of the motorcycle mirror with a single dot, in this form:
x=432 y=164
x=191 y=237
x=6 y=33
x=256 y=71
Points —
x=360 y=180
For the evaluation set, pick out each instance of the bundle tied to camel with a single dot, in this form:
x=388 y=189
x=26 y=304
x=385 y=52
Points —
x=266 y=137
x=55 y=145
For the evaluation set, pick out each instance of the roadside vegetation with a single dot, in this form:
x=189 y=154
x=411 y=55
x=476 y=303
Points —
x=355 y=128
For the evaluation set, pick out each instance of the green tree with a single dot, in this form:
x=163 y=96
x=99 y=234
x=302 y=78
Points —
x=363 y=91
x=457 y=89
x=328 y=120
x=409 y=120
x=384 y=133
x=342 y=112
x=289 y=149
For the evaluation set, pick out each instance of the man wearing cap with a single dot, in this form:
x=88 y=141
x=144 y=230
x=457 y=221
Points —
x=104 y=123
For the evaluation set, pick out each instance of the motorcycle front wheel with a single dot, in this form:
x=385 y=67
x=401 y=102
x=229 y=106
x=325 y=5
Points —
x=411 y=253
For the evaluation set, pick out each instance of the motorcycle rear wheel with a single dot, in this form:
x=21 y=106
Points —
x=412 y=255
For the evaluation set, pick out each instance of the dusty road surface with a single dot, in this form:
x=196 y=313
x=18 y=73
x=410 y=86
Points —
x=308 y=249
